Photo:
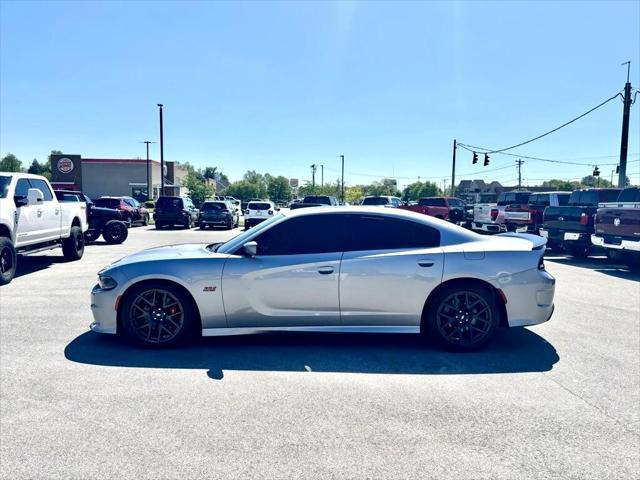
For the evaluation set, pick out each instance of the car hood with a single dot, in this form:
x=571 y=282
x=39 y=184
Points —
x=169 y=252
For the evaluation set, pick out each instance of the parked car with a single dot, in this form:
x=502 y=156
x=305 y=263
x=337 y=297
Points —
x=257 y=212
x=382 y=201
x=489 y=217
x=218 y=214
x=331 y=269
x=315 y=201
x=32 y=220
x=570 y=227
x=236 y=203
x=527 y=217
x=444 y=208
x=171 y=211
x=133 y=212
x=617 y=227
x=107 y=222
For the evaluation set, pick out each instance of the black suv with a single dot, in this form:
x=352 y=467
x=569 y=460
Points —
x=175 y=211
x=108 y=222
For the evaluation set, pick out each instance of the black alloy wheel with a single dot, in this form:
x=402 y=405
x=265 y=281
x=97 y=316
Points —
x=8 y=261
x=115 y=232
x=73 y=246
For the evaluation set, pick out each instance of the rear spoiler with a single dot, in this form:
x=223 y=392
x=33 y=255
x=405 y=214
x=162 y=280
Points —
x=538 y=242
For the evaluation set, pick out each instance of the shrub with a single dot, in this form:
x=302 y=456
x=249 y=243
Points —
x=150 y=204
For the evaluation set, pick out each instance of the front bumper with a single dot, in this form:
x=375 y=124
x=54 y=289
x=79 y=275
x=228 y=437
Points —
x=103 y=307
x=529 y=297
x=630 y=245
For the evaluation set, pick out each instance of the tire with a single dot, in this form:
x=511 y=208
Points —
x=73 y=246
x=147 y=322
x=115 y=232
x=579 y=251
x=203 y=226
x=187 y=224
x=8 y=261
x=91 y=235
x=471 y=326
x=159 y=225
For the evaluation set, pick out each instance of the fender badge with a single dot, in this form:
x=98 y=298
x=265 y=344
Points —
x=209 y=289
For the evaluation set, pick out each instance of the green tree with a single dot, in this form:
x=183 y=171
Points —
x=417 y=190
x=561 y=185
x=210 y=173
x=353 y=194
x=278 y=189
x=199 y=190
x=10 y=163
x=244 y=190
x=38 y=168
x=591 y=181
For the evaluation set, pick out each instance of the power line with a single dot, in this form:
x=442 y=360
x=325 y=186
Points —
x=555 y=129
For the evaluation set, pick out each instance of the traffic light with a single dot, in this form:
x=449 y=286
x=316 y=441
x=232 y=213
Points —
x=486 y=159
x=475 y=158
x=596 y=172
x=617 y=169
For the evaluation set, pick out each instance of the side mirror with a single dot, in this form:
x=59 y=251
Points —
x=250 y=248
x=35 y=196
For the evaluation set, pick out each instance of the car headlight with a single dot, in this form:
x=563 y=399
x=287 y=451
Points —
x=106 y=282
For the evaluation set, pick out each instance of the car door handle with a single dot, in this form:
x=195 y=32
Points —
x=426 y=263
x=58 y=211
x=325 y=270
x=39 y=212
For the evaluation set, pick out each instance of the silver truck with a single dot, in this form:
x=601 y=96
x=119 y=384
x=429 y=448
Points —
x=32 y=220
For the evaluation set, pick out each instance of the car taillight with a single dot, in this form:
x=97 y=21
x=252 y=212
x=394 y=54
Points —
x=584 y=219
x=270 y=212
x=494 y=213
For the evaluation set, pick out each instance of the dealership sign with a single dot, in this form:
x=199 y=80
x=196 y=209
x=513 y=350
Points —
x=65 y=165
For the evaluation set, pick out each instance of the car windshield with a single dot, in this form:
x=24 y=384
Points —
x=213 y=206
x=375 y=201
x=259 y=206
x=236 y=242
x=5 y=180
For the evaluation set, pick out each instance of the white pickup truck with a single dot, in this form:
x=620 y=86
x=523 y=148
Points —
x=489 y=217
x=32 y=220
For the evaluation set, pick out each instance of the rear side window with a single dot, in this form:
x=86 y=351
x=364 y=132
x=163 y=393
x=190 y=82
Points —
x=563 y=199
x=43 y=187
x=303 y=235
x=375 y=201
x=376 y=232
x=259 y=206
x=107 y=202
x=540 y=199
x=609 y=195
x=629 y=195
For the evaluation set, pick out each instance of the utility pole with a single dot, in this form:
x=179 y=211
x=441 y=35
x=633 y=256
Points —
x=624 y=141
x=519 y=163
x=314 y=167
x=161 y=153
x=149 y=192
x=342 y=186
x=453 y=170
x=322 y=178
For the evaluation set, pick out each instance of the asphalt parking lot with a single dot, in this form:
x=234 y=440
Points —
x=559 y=400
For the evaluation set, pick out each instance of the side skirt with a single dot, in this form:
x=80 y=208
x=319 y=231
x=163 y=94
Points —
x=212 y=332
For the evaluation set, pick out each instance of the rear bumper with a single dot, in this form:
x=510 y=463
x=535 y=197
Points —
x=251 y=222
x=529 y=297
x=489 y=227
x=566 y=238
x=631 y=245
x=215 y=221
x=169 y=218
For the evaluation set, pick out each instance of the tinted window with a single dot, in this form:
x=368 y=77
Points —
x=376 y=232
x=303 y=235
x=43 y=187
x=4 y=185
x=107 y=202
x=259 y=206
x=609 y=195
x=455 y=202
x=375 y=201
x=541 y=199
x=432 y=202
x=168 y=202
x=563 y=199
x=22 y=188
x=212 y=206
x=506 y=198
x=68 y=197
x=629 y=195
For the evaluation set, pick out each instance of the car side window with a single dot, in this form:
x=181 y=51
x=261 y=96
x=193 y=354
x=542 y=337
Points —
x=22 y=187
x=376 y=232
x=43 y=187
x=303 y=235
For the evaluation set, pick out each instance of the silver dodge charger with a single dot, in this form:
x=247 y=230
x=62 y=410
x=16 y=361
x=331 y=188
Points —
x=331 y=269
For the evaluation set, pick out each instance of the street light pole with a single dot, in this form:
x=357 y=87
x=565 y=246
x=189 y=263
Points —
x=161 y=153
x=149 y=192
x=342 y=186
x=322 y=178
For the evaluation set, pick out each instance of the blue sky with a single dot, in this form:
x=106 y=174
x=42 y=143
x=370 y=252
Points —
x=277 y=86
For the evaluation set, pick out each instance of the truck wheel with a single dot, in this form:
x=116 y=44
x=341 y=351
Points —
x=91 y=235
x=8 y=261
x=115 y=232
x=73 y=247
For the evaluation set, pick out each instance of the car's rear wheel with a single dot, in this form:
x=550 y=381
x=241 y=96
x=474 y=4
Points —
x=463 y=318
x=115 y=232
x=8 y=261
x=73 y=246
x=157 y=314
x=159 y=225
x=579 y=251
x=91 y=235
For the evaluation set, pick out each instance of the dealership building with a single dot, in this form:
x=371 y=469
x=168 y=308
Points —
x=98 y=177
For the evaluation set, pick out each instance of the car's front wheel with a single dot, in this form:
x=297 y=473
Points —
x=157 y=314
x=463 y=318
x=8 y=261
x=115 y=232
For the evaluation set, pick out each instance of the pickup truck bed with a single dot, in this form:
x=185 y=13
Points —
x=617 y=226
